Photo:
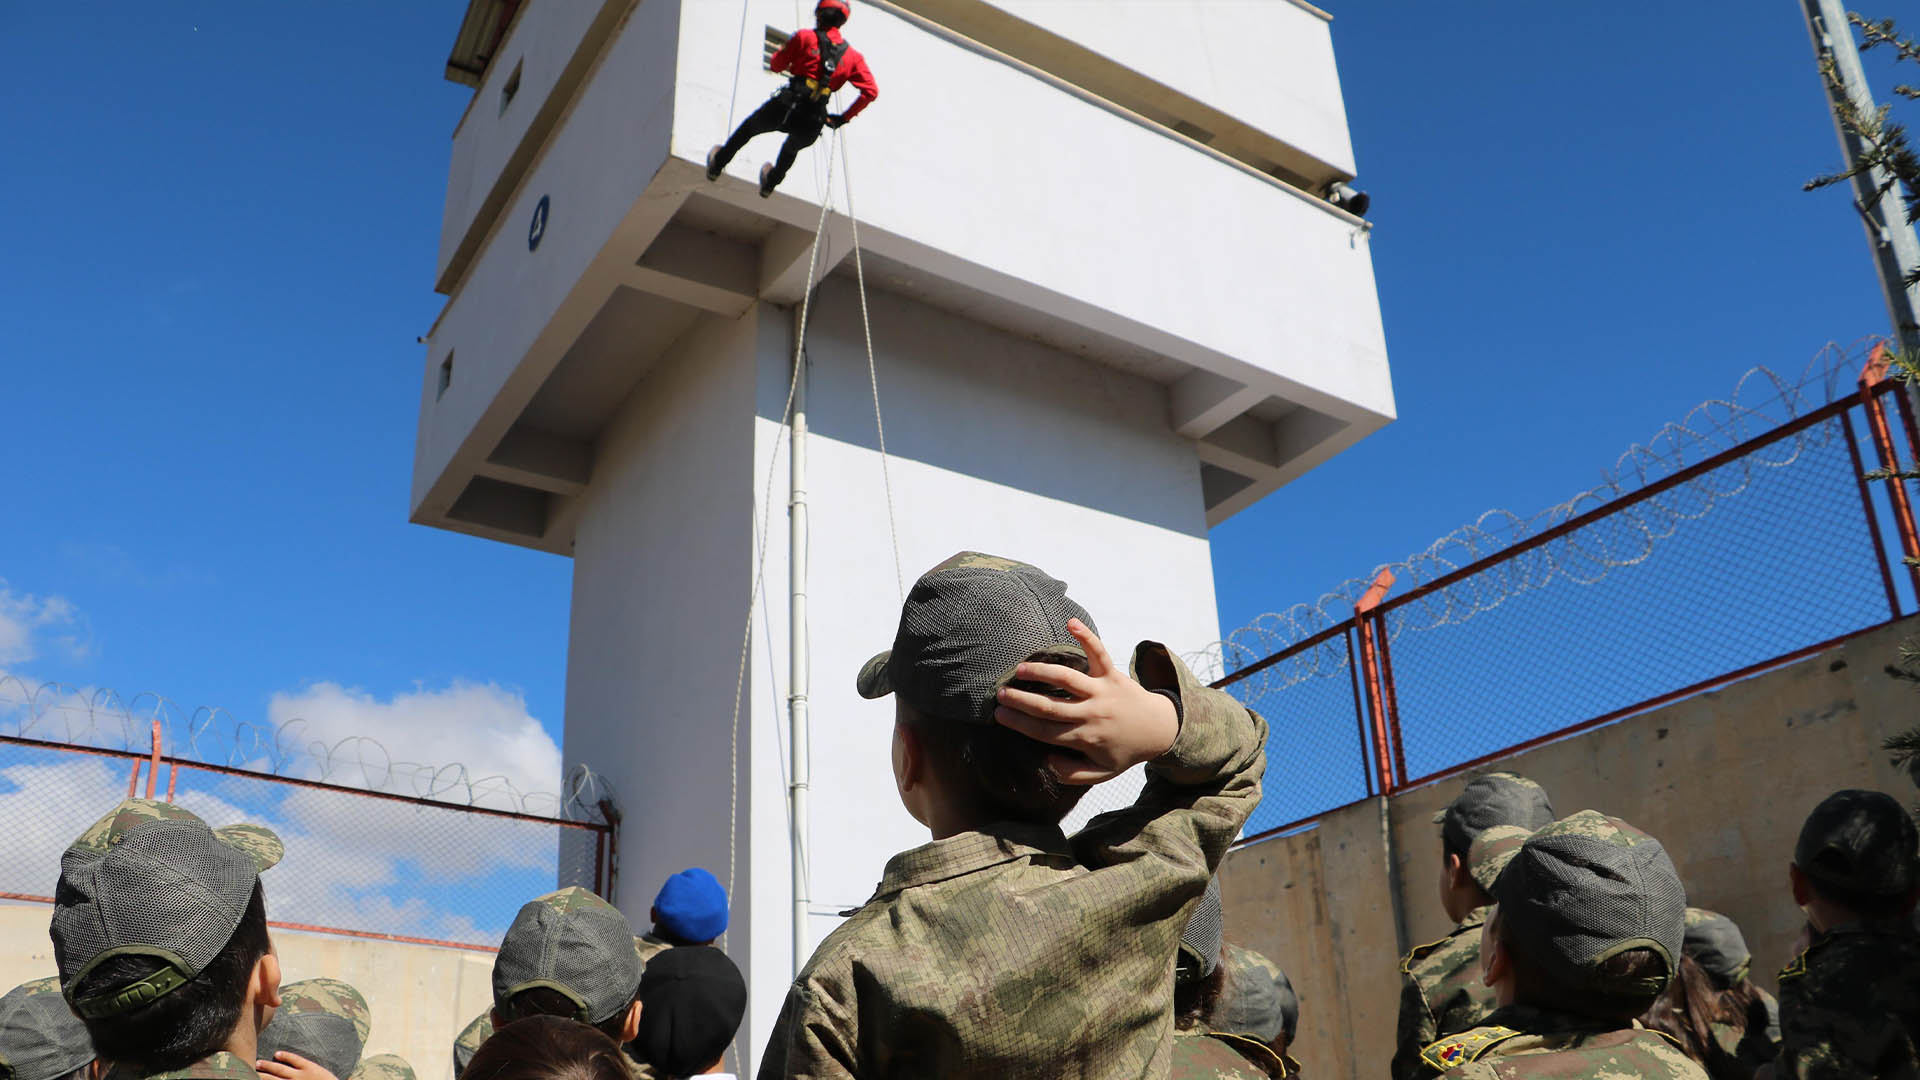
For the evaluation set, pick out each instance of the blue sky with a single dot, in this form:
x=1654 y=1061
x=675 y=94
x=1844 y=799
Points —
x=222 y=228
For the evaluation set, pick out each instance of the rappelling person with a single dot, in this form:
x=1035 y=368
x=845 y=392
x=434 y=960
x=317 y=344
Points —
x=816 y=62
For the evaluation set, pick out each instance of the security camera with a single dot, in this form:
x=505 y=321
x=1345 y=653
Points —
x=1348 y=198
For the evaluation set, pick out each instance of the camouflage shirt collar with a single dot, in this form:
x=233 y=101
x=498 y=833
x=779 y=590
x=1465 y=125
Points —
x=218 y=1065
x=968 y=852
x=1474 y=920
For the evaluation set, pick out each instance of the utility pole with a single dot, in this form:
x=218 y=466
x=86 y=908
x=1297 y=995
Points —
x=1875 y=193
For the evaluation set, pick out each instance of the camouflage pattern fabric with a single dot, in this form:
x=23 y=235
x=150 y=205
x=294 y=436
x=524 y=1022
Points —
x=648 y=946
x=383 y=1067
x=218 y=1065
x=1205 y=1055
x=40 y=1038
x=1440 y=993
x=1738 y=1051
x=329 y=996
x=1014 y=952
x=1518 y=1041
x=467 y=1043
x=258 y=843
x=1850 y=1005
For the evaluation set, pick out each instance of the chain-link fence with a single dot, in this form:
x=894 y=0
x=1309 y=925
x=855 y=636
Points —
x=1754 y=534
x=409 y=853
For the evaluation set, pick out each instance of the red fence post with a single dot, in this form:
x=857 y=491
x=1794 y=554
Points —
x=153 y=762
x=1376 y=683
x=1871 y=377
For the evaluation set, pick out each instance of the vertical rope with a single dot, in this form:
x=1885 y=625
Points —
x=739 y=50
x=873 y=376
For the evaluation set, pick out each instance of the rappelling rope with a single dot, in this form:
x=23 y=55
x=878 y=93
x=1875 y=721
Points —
x=873 y=375
x=739 y=51
x=766 y=516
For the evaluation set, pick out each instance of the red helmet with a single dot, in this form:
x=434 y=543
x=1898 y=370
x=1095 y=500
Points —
x=834 y=5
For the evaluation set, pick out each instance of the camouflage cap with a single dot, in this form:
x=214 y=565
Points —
x=40 y=1038
x=964 y=627
x=1200 y=941
x=383 y=1067
x=1716 y=944
x=1259 y=1000
x=1492 y=850
x=1585 y=889
x=1498 y=798
x=573 y=942
x=151 y=879
x=1861 y=842
x=322 y=1020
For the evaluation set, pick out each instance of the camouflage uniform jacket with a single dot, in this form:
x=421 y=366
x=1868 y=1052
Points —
x=1207 y=1055
x=1737 y=1052
x=1014 y=952
x=1519 y=1041
x=1440 y=993
x=1850 y=1005
x=218 y=1065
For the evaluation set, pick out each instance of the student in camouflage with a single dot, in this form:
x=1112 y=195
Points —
x=317 y=1033
x=689 y=909
x=160 y=935
x=1589 y=919
x=40 y=1038
x=1717 y=1015
x=1850 y=1003
x=1230 y=1019
x=384 y=1067
x=1003 y=949
x=1440 y=987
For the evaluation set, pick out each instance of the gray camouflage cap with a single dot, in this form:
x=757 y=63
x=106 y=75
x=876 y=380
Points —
x=1585 y=889
x=1492 y=850
x=1259 y=1000
x=1861 y=842
x=322 y=1020
x=1200 y=941
x=151 y=879
x=964 y=627
x=383 y=1067
x=1498 y=798
x=573 y=942
x=40 y=1038
x=1716 y=944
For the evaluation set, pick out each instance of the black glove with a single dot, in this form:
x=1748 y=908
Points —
x=836 y=121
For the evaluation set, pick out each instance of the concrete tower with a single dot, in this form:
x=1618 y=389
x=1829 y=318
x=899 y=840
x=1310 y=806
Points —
x=1110 y=307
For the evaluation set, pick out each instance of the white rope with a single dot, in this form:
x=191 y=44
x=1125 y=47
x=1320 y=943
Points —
x=739 y=50
x=873 y=376
x=760 y=562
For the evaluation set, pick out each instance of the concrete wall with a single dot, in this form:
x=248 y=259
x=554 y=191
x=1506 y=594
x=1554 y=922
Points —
x=1723 y=779
x=421 y=996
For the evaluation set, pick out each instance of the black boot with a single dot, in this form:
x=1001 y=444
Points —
x=767 y=182
x=714 y=164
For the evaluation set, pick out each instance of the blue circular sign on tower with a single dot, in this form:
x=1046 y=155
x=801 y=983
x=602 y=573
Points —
x=537 y=228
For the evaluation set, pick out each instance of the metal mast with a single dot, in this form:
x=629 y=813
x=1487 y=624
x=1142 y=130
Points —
x=797 y=735
x=1895 y=251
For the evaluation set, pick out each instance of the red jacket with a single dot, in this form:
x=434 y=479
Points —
x=800 y=56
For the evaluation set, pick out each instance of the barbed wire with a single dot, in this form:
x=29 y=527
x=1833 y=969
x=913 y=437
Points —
x=102 y=718
x=1760 y=401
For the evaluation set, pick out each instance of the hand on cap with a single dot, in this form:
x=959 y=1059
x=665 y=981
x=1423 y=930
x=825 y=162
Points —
x=291 y=1066
x=1111 y=724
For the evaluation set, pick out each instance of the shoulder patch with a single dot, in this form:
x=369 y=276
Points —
x=1797 y=968
x=1419 y=953
x=1464 y=1047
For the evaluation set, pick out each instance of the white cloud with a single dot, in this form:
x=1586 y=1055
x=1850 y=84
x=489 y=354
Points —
x=434 y=743
x=30 y=624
